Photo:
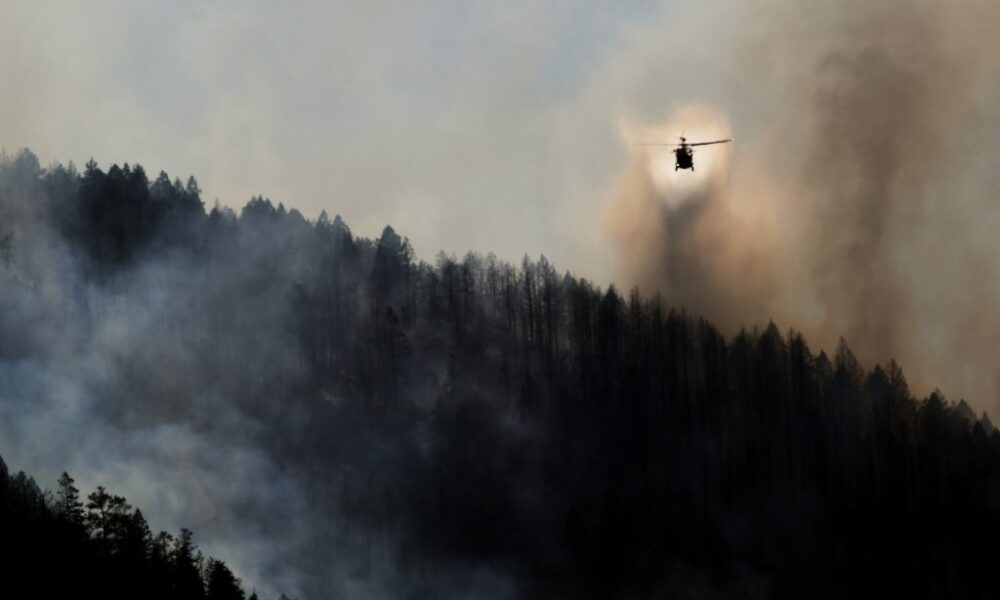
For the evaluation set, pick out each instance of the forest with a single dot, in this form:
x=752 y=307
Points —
x=462 y=428
x=55 y=545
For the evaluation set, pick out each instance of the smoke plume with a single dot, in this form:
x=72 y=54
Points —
x=852 y=205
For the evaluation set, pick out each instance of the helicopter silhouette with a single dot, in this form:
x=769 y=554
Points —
x=684 y=151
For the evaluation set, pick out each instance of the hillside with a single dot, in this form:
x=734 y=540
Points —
x=369 y=424
x=57 y=545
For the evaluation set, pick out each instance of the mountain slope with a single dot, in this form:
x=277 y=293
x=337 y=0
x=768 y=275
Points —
x=469 y=428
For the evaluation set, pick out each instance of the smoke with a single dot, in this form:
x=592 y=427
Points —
x=851 y=203
x=97 y=382
x=678 y=232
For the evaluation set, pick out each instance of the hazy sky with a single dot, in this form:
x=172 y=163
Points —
x=486 y=126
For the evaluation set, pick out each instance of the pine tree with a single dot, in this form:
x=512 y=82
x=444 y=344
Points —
x=68 y=500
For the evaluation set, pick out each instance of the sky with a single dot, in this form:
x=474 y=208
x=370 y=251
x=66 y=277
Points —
x=467 y=126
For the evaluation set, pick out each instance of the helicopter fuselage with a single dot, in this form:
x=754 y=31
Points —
x=685 y=158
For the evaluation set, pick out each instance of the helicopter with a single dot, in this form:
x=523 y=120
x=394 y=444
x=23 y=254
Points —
x=684 y=151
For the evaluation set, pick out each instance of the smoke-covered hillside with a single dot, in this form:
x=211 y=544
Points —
x=336 y=418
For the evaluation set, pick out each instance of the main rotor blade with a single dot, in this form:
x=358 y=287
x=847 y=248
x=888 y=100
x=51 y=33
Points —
x=707 y=143
x=657 y=144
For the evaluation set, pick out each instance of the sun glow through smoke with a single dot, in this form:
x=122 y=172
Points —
x=697 y=123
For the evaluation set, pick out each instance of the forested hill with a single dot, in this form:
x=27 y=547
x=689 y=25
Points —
x=60 y=546
x=387 y=427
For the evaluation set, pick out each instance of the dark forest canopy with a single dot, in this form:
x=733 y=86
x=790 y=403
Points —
x=477 y=428
x=62 y=545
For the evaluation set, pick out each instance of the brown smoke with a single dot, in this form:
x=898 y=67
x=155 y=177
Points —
x=677 y=232
x=853 y=206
